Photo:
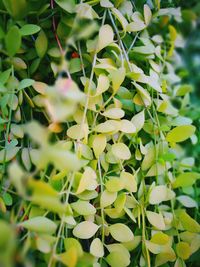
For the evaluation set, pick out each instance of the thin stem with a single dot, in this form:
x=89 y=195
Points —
x=144 y=237
x=133 y=42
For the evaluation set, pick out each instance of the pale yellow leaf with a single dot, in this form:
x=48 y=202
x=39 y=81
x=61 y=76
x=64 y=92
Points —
x=83 y=207
x=107 y=126
x=121 y=151
x=147 y=14
x=138 y=120
x=96 y=248
x=102 y=85
x=160 y=193
x=105 y=38
x=156 y=219
x=85 y=230
x=114 y=113
x=127 y=127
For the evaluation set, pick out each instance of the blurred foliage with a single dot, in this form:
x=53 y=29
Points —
x=100 y=133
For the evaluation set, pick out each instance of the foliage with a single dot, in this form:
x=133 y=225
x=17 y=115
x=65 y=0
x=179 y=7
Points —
x=98 y=141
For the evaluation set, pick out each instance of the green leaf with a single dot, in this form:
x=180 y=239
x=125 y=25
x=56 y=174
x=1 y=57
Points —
x=68 y=5
x=184 y=89
x=185 y=179
x=25 y=83
x=8 y=154
x=17 y=9
x=29 y=29
x=72 y=242
x=13 y=40
x=188 y=222
x=4 y=76
x=180 y=133
x=41 y=44
x=7 y=199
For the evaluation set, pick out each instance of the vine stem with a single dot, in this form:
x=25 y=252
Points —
x=88 y=92
x=87 y=101
x=126 y=56
x=56 y=36
x=54 y=29
x=144 y=238
x=62 y=223
x=102 y=212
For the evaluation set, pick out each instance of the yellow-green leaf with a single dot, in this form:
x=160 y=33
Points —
x=72 y=242
x=114 y=184
x=121 y=232
x=183 y=250
x=186 y=179
x=40 y=225
x=120 y=18
x=87 y=181
x=99 y=144
x=143 y=94
x=41 y=44
x=107 y=198
x=128 y=181
x=180 y=133
x=188 y=222
x=118 y=259
x=117 y=78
